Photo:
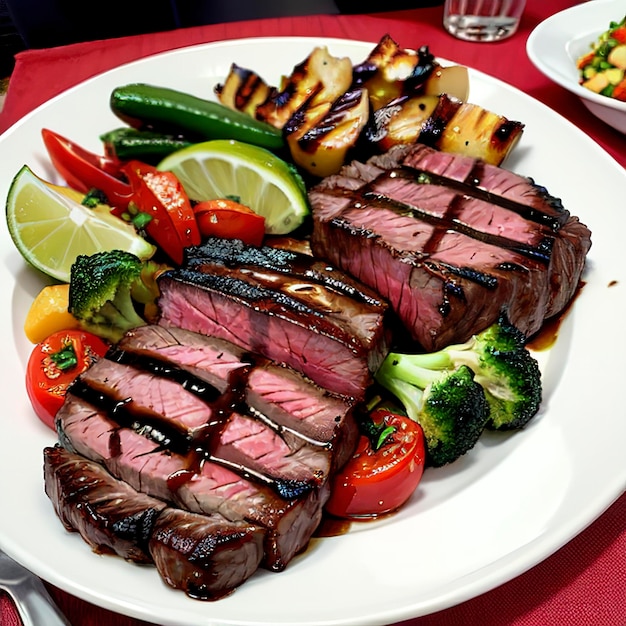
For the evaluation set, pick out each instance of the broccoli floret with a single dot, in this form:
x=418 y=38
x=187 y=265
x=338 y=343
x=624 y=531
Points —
x=504 y=367
x=107 y=287
x=94 y=198
x=449 y=405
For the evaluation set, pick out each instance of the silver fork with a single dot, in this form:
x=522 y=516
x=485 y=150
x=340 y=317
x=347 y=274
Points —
x=32 y=600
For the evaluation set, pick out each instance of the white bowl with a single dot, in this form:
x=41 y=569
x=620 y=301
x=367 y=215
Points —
x=556 y=44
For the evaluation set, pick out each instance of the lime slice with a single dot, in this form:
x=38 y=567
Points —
x=50 y=229
x=260 y=179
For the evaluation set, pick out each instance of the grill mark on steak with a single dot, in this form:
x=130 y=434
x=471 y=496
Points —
x=285 y=305
x=471 y=187
x=450 y=222
x=87 y=430
x=291 y=404
x=477 y=245
x=195 y=421
x=199 y=444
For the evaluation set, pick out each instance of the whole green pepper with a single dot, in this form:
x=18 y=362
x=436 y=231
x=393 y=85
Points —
x=167 y=110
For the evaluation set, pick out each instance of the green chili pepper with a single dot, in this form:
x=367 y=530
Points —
x=167 y=110
x=143 y=145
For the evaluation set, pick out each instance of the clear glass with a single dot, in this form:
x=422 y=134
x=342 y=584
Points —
x=482 y=20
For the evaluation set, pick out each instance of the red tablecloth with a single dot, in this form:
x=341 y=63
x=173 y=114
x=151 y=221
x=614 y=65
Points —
x=584 y=583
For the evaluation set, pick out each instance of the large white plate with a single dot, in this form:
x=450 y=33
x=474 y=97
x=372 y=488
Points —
x=501 y=509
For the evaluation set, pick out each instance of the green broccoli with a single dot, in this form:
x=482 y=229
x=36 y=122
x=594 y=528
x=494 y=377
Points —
x=449 y=405
x=505 y=369
x=106 y=289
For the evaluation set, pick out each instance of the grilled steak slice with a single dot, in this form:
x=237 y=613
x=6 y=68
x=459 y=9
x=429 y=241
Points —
x=203 y=418
x=450 y=241
x=279 y=395
x=159 y=463
x=108 y=514
x=205 y=555
x=284 y=305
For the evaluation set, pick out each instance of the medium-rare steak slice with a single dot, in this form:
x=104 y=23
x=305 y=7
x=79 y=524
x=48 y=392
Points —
x=450 y=241
x=138 y=448
x=203 y=418
x=207 y=556
x=299 y=409
x=284 y=305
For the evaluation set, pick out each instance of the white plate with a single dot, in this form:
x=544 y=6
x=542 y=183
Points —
x=555 y=45
x=501 y=509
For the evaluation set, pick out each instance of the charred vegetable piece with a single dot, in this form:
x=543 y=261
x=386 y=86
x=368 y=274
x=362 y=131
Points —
x=476 y=132
x=243 y=90
x=321 y=149
x=320 y=79
x=390 y=72
x=447 y=124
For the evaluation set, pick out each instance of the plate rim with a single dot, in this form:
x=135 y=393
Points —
x=575 y=527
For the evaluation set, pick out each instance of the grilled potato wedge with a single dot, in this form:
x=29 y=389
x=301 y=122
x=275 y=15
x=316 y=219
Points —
x=476 y=132
x=321 y=147
x=395 y=95
x=320 y=79
x=243 y=90
x=390 y=72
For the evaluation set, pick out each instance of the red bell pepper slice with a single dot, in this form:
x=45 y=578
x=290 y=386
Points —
x=83 y=170
x=619 y=34
x=160 y=195
x=230 y=219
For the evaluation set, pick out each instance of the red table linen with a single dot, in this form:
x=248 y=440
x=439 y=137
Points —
x=584 y=583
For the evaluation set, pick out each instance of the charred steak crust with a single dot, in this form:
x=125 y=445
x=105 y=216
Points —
x=283 y=304
x=190 y=420
x=450 y=241
x=207 y=556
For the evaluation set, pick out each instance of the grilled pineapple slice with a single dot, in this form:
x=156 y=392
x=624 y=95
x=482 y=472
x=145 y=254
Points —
x=444 y=123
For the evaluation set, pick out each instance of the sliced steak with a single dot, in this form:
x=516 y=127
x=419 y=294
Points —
x=200 y=417
x=450 y=241
x=110 y=516
x=155 y=456
x=277 y=394
x=284 y=305
x=205 y=555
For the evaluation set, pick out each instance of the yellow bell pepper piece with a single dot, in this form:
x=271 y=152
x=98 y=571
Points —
x=48 y=313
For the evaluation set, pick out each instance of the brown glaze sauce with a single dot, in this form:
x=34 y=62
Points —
x=547 y=335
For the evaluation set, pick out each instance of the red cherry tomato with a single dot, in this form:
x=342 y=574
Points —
x=54 y=364
x=379 y=480
x=160 y=195
x=231 y=220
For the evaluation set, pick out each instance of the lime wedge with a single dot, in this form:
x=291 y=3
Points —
x=50 y=229
x=261 y=180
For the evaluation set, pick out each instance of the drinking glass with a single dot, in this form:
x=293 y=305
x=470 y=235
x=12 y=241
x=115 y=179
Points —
x=482 y=20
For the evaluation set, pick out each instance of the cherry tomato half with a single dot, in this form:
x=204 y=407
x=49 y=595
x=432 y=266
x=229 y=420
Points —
x=231 y=220
x=378 y=480
x=160 y=195
x=54 y=364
